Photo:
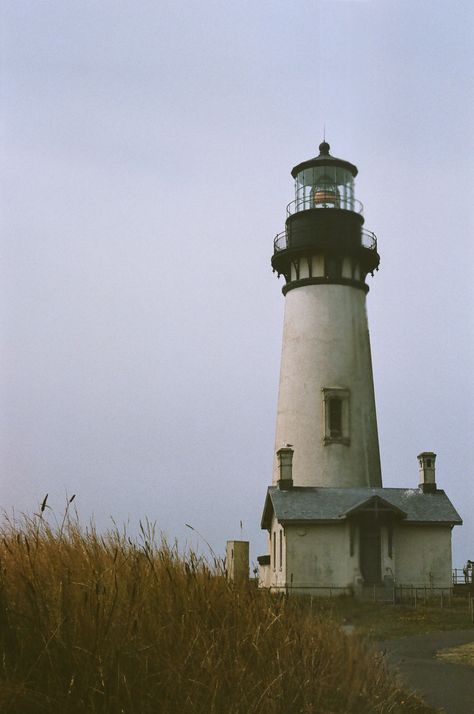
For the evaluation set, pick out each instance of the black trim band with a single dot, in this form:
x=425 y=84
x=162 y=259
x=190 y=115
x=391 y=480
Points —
x=325 y=281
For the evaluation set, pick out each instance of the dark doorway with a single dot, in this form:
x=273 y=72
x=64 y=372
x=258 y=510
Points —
x=370 y=553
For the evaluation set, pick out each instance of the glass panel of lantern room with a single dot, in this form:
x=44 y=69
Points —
x=299 y=190
x=345 y=183
x=301 y=198
x=325 y=190
x=303 y=185
x=309 y=180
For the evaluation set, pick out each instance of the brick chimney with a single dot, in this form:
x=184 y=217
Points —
x=285 y=467
x=427 y=471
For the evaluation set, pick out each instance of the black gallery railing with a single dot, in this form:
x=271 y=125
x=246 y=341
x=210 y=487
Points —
x=282 y=241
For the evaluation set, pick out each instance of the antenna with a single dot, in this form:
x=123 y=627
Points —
x=324 y=132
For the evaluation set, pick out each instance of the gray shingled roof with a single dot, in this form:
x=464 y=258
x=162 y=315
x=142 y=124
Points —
x=335 y=504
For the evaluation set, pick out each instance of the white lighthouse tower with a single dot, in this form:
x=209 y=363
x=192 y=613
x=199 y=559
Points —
x=331 y=525
x=326 y=404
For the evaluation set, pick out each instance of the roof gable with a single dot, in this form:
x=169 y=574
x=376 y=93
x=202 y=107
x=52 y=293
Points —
x=268 y=511
x=375 y=504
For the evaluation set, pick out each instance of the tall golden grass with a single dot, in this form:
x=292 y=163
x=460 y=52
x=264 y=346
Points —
x=103 y=623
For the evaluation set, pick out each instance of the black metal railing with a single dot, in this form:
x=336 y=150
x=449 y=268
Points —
x=463 y=576
x=280 y=242
x=411 y=595
x=368 y=240
x=304 y=203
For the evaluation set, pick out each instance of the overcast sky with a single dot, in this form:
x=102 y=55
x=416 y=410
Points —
x=146 y=157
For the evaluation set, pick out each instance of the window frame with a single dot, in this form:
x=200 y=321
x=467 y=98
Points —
x=281 y=548
x=343 y=396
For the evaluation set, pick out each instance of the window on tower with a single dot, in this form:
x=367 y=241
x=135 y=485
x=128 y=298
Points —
x=336 y=403
x=335 y=417
x=333 y=267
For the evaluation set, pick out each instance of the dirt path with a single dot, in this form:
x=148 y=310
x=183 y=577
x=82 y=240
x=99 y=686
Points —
x=442 y=684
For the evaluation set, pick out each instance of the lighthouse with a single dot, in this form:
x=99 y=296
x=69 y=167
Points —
x=326 y=403
x=332 y=527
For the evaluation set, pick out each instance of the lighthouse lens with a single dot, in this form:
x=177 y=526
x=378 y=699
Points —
x=325 y=193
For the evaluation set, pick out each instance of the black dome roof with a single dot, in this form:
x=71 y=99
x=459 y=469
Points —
x=324 y=159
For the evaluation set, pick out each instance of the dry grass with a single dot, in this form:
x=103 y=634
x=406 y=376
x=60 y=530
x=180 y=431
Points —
x=463 y=654
x=99 y=623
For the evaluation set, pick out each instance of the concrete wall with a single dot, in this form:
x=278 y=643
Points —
x=264 y=576
x=277 y=568
x=318 y=557
x=237 y=560
x=422 y=556
x=326 y=346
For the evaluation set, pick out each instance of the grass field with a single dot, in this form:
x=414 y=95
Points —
x=102 y=623
x=381 y=621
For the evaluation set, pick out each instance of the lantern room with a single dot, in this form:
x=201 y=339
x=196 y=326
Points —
x=324 y=182
x=334 y=236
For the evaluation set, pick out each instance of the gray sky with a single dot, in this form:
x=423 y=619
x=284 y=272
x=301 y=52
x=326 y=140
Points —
x=146 y=151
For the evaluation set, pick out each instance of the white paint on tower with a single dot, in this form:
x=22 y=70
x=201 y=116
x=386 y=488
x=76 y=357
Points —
x=326 y=351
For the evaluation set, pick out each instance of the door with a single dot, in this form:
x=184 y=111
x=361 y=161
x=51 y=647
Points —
x=370 y=553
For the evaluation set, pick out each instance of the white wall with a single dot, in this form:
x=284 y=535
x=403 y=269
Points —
x=264 y=576
x=319 y=556
x=326 y=345
x=422 y=556
x=278 y=567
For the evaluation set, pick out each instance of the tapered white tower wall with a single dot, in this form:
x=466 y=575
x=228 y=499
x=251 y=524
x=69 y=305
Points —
x=326 y=353
x=326 y=403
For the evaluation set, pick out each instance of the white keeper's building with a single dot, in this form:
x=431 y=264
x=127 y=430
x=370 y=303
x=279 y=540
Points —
x=331 y=524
